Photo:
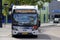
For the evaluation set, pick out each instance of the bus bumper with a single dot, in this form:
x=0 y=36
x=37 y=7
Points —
x=35 y=32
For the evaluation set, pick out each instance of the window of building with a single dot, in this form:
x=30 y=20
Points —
x=43 y=8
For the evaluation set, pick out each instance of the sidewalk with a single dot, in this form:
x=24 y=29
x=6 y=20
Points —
x=5 y=30
x=47 y=24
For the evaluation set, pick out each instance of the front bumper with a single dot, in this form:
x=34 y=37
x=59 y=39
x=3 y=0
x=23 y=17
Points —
x=56 y=21
x=35 y=32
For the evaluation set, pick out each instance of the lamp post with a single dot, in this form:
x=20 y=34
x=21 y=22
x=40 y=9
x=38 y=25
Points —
x=6 y=7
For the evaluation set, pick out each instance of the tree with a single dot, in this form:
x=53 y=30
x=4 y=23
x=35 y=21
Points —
x=23 y=2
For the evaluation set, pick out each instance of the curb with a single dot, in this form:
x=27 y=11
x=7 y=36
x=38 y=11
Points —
x=47 y=24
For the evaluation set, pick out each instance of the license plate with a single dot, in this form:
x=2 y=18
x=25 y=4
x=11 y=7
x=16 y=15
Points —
x=24 y=33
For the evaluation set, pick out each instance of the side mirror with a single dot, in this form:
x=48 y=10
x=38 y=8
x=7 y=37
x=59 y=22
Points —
x=38 y=24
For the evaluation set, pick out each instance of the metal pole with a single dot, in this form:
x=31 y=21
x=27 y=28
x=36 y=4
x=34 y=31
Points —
x=6 y=16
x=40 y=15
x=6 y=9
x=48 y=11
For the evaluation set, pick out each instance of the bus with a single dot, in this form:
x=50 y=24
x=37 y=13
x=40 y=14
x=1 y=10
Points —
x=25 y=20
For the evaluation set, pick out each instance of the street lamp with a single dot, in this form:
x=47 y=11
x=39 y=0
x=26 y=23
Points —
x=6 y=5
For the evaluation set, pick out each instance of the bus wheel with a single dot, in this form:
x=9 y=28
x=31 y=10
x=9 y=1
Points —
x=13 y=35
x=56 y=22
x=35 y=36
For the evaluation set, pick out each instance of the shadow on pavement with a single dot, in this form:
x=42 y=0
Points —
x=41 y=36
x=44 y=36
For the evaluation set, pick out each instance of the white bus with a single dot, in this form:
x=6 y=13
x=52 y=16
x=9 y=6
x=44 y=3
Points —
x=25 y=20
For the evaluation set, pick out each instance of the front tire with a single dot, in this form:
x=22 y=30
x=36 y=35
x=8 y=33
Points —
x=56 y=22
x=13 y=35
x=35 y=36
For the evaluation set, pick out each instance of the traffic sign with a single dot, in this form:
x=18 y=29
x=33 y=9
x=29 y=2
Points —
x=56 y=11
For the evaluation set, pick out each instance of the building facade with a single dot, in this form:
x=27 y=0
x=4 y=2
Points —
x=44 y=12
x=54 y=8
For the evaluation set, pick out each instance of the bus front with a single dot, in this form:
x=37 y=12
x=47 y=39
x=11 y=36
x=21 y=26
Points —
x=24 y=22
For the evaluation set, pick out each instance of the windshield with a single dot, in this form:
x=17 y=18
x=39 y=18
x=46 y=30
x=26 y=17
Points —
x=25 y=19
x=57 y=16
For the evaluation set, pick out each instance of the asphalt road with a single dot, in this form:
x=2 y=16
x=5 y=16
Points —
x=51 y=32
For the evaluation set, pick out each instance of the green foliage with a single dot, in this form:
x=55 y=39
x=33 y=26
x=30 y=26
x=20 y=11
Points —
x=46 y=1
x=23 y=2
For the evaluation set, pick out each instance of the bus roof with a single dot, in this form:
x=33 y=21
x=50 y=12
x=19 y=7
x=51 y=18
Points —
x=25 y=7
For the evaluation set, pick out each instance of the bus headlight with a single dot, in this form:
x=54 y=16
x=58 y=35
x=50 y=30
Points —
x=56 y=19
x=15 y=28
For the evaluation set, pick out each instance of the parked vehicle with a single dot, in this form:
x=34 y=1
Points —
x=57 y=19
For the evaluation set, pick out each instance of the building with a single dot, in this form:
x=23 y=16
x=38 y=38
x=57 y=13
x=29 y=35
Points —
x=44 y=12
x=54 y=8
